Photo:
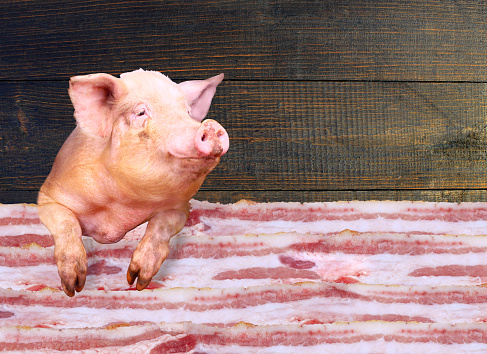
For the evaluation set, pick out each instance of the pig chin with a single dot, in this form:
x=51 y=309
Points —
x=196 y=158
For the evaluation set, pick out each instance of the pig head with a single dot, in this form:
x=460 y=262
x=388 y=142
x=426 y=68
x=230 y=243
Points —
x=140 y=151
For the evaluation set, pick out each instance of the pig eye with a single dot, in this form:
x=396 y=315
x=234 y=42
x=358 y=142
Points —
x=140 y=114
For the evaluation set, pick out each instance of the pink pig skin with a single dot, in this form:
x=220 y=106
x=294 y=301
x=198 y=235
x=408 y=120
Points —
x=140 y=151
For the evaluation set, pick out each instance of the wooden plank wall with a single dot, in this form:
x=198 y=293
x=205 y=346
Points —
x=323 y=100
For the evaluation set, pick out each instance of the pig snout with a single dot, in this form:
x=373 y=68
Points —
x=211 y=139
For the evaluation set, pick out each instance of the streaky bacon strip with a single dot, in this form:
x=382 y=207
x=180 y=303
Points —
x=303 y=303
x=16 y=214
x=347 y=337
x=343 y=242
x=406 y=210
x=293 y=335
x=247 y=217
x=348 y=257
x=371 y=216
x=112 y=339
x=261 y=245
x=356 y=337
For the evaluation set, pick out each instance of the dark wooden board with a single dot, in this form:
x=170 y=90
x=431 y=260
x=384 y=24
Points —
x=323 y=100
x=292 y=136
x=433 y=40
x=35 y=119
x=352 y=136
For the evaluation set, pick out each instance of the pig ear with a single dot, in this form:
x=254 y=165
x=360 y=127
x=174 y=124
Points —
x=199 y=94
x=93 y=97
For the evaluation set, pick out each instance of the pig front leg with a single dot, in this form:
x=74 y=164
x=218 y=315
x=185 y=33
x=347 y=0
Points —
x=154 y=246
x=69 y=252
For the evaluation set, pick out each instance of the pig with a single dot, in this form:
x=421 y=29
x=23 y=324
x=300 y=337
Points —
x=140 y=151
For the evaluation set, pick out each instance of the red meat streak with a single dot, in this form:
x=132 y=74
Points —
x=453 y=270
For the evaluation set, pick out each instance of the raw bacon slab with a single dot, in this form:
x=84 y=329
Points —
x=281 y=277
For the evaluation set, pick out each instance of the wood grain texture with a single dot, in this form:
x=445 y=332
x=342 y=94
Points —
x=292 y=136
x=266 y=196
x=35 y=119
x=451 y=196
x=434 y=40
x=351 y=136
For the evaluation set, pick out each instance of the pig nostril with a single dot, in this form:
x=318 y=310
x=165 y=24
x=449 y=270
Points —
x=203 y=137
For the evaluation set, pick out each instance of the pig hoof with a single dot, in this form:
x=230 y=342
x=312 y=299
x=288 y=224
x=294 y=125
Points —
x=141 y=283
x=146 y=261
x=70 y=287
x=72 y=268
